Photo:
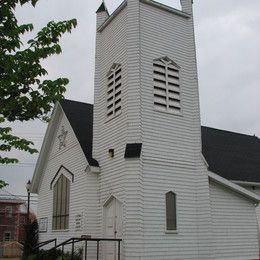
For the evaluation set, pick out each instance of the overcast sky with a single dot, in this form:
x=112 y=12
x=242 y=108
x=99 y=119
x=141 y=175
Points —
x=228 y=54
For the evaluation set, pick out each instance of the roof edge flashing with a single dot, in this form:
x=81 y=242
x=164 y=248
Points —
x=39 y=167
x=246 y=183
x=166 y=8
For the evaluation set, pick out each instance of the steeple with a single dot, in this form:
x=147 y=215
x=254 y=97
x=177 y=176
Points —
x=102 y=14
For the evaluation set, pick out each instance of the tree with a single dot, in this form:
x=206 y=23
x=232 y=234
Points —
x=25 y=94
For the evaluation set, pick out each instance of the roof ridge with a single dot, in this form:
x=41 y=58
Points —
x=10 y=195
x=75 y=101
x=229 y=131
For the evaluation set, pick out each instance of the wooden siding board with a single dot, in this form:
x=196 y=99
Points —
x=171 y=144
x=85 y=185
x=234 y=224
x=170 y=158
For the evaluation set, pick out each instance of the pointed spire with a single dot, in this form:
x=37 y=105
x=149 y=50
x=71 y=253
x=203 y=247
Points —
x=102 y=14
x=187 y=6
x=102 y=8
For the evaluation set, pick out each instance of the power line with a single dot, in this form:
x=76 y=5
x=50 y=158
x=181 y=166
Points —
x=16 y=195
x=19 y=164
x=29 y=133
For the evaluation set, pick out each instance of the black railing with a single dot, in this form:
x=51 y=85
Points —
x=75 y=240
x=44 y=243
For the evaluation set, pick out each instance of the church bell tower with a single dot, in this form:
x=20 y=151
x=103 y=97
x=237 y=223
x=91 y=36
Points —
x=147 y=129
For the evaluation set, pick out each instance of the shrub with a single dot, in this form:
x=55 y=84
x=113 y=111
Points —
x=56 y=255
x=31 y=239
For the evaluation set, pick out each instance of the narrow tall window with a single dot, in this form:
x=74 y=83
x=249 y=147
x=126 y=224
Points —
x=8 y=211
x=61 y=192
x=114 y=91
x=171 y=219
x=166 y=83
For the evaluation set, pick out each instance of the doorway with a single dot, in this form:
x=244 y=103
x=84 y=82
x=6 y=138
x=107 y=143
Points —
x=113 y=222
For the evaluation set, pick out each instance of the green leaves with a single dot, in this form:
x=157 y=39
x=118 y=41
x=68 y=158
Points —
x=51 y=34
x=9 y=141
x=2 y=184
x=21 y=83
x=24 y=92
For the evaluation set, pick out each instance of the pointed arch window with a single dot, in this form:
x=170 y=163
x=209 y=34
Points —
x=61 y=197
x=114 y=91
x=171 y=216
x=166 y=83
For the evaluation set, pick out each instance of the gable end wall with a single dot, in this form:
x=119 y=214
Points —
x=83 y=191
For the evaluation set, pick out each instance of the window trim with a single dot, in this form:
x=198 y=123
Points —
x=62 y=170
x=167 y=230
x=57 y=209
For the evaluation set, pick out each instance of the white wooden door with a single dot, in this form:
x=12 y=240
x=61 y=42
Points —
x=113 y=227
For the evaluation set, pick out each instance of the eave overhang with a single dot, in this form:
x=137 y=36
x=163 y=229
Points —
x=234 y=187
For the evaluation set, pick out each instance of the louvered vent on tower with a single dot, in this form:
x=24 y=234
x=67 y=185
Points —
x=114 y=91
x=167 y=95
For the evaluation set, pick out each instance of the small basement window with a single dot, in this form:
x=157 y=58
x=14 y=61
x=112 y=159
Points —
x=114 y=91
x=171 y=216
x=166 y=83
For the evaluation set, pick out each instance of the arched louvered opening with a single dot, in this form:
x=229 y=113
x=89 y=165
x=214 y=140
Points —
x=114 y=91
x=166 y=83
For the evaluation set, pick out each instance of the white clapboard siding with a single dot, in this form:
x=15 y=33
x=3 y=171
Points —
x=83 y=191
x=138 y=34
x=166 y=135
x=117 y=43
x=233 y=225
x=255 y=190
x=110 y=133
x=171 y=144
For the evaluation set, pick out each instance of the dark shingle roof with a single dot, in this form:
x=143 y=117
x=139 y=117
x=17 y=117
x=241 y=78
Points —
x=80 y=116
x=231 y=155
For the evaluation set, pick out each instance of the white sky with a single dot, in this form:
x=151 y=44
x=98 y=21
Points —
x=228 y=54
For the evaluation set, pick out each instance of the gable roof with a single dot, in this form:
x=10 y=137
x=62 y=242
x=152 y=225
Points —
x=6 y=196
x=80 y=116
x=231 y=155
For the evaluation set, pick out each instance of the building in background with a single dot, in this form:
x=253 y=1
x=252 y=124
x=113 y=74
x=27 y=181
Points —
x=13 y=216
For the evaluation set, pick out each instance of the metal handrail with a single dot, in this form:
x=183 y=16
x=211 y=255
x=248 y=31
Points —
x=44 y=243
x=74 y=240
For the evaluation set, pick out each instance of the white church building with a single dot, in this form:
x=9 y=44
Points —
x=137 y=165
